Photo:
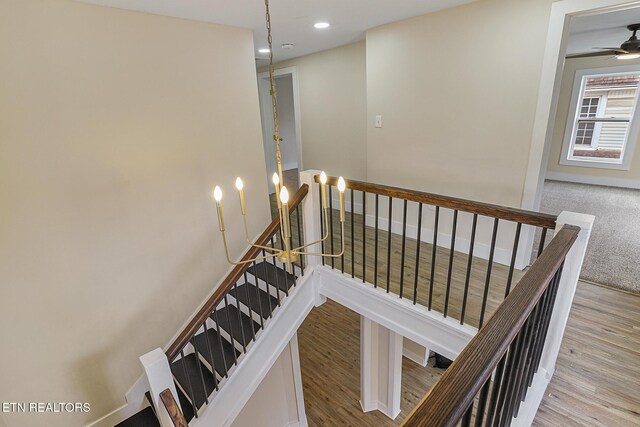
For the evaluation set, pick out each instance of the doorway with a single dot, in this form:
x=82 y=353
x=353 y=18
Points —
x=286 y=82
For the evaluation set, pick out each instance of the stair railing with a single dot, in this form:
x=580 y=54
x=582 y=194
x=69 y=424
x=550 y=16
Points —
x=174 y=411
x=511 y=343
x=434 y=230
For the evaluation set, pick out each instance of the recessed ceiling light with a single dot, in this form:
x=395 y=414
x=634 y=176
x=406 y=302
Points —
x=264 y=50
x=321 y=25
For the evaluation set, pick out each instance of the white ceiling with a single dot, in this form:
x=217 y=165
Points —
x=603 y=30
x=292 y=20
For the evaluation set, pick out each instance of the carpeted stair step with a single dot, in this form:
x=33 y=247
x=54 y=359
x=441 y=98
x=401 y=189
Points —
x=236 y=323
x=255 y=298
x=144 y=418
x=212 y=345
x=273 y=275
x=187 y=373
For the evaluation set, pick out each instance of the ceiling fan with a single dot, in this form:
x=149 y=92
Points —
x=630 y=49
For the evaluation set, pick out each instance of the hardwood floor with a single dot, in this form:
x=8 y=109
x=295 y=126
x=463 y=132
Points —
x=597 y=379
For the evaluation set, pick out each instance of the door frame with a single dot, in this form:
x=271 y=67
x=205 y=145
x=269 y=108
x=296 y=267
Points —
x=548 y=94
x=266 y=110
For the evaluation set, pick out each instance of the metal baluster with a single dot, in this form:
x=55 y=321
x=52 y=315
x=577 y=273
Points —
x=389 y=223
x=513 y=259
x=482 y=403
x=224 y=358
x=466 y=420
x=519 y=365
x=433 y=255
x=451 y=256
x=257 y=300
x=375 y=257
x=186 y=375
x=199 y=365
x=508 y=375
x=331 y=225
x=244 y=340
x=364 y=236
x=353 y=240
x=246 y=287
x=321 y=220
x=543 y=237
x=528 y=351
x=300 y=239
x=543 y=305
x=489 y=266
x=230 y=331
x=497 y=383
x=213 y=366
x=418 y=243
x=469 y=262
x=404 y=241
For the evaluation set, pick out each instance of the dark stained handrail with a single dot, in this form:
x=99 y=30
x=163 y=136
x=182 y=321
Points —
x=173 y=409
x=226 y=285
x=474 y=207
x=448 y=400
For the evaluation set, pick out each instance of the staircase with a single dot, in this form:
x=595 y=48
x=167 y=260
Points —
x=228 y=333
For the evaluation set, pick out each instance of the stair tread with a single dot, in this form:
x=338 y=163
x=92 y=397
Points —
x=249 y=294
x=223 y=358
x=240 y=329
x=193 y=366
x=273 y=275
x=185 y=405
x=144 y=418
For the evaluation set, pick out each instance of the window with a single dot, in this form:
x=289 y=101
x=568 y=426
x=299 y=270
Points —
x=601 y=130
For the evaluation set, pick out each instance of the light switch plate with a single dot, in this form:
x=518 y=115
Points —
x=378 y=121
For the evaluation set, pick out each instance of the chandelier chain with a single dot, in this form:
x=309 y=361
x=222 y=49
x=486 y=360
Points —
x=272 y=83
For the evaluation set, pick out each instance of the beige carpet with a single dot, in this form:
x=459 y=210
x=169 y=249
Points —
x=613 y=253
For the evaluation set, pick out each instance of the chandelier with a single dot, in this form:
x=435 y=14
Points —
x=288 y=255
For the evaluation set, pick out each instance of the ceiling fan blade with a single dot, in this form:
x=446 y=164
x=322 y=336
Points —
x=608 y=48
x=592 y=54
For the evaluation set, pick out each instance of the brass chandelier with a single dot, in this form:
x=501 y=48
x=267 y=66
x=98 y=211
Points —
x=289 y=254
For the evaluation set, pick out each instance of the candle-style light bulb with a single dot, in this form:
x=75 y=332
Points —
x=341 y=187
x=323 y=189
x=284 y=195
x=276 y=179
x=217 y=194
x=239 y=184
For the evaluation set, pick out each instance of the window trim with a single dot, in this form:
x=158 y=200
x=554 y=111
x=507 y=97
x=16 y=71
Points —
x=634 y=122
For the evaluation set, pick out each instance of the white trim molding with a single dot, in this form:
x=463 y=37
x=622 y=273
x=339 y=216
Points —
x=594 y=180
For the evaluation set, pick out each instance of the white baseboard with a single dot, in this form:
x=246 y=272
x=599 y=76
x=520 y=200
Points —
x=594 y=180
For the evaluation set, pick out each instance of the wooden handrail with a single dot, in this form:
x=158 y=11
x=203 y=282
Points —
x=173 y=409
x=480 y=208
x=448 y=400
x=226 y=285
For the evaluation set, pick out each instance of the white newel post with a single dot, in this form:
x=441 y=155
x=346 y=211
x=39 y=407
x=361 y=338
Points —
x=567 y=286
x=158 y=372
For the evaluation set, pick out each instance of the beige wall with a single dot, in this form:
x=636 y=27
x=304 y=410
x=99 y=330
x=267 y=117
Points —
x=564 y=101
x=332 y=87
x=115 y=125
x=457 y=92
x=273 y=404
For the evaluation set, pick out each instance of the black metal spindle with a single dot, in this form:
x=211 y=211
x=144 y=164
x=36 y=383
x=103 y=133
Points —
x=543 y=304
x=364 y=236
x=497 y=383
x=525 y=359
x=213 y=366
x=518 y=367
x=433 y=255
x=244 y=345
x=482 y=403
x=466 y=420
x=331 y=225
x=258 y=300
x=418 y=243
x=389 y=223
x=253 y=332
x=451 y=256
x=321 y=220
x=230 y=331
x=469 y=263
x=375 y=256
x=513 y=259
x=191 y=393
x=300 y=239
x=488 y=278
x=199 y=365
x=275 y=272
x=404 y=243
x=353 y=240
x=224 y=358
x=543 y=237
x=508 y=375
x=267 y=286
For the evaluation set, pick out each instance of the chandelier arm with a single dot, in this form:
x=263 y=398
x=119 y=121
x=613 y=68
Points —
x=326 y=233
x=246 y=237
x=296 y=251
x=226 y=251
